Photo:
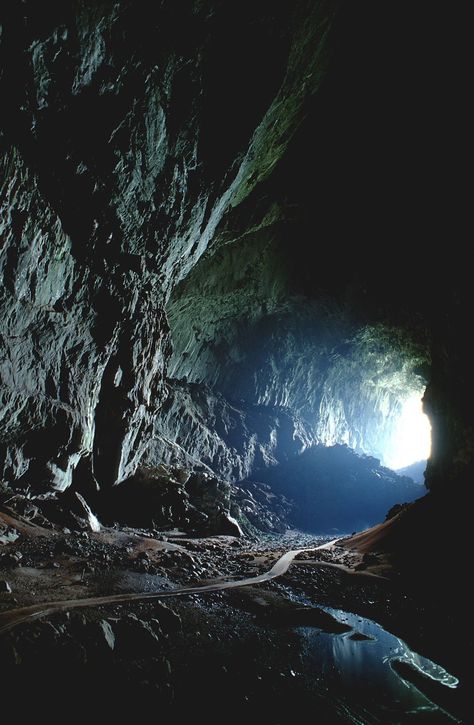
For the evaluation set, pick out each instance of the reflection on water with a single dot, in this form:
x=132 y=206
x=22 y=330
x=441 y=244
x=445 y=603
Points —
x=356 y=674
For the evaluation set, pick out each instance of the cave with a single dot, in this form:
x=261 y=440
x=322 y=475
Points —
x=235 y=370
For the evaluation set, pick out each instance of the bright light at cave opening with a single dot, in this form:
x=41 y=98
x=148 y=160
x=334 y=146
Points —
x=411 y=439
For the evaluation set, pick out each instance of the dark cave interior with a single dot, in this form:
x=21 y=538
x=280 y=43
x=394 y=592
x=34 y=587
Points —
x=234 y=274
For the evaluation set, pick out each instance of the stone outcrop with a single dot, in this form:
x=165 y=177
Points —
x=167 y=498
x=198 y=428
x=122 y=150
x=258 y=505
x=196 y=502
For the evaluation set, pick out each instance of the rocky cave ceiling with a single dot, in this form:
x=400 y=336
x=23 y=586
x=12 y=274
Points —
x=218 y=219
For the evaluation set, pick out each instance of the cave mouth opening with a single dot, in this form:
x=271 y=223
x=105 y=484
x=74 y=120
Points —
x=410 y=441
x=372 y=399
x=394 y=428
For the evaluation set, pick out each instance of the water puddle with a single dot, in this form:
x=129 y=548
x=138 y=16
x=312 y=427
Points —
x=356 y=673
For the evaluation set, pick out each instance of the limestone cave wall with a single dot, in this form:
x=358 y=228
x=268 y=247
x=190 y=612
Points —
x=264 y=179
x=128 y=131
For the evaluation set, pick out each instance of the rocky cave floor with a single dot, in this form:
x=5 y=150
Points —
x=240 y=649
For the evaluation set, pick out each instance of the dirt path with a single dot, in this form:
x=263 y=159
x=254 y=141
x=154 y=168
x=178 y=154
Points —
x=14 y=617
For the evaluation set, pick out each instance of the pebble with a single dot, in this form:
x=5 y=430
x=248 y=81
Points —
x=108 y=633
x=13 y=559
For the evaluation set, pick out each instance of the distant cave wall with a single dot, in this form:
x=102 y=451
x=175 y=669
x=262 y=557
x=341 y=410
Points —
x=128 y=130
x=241 y=324
x=259 y=322
x=197 y=428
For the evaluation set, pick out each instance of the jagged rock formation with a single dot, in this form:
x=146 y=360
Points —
x=199 y=429
x=249 y=168
x=165 y=498
x=115 y=176
x=324 y=489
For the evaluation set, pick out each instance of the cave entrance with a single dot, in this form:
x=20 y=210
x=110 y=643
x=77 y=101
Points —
x=410 y=442
x=372 y=399
x=294 y=389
